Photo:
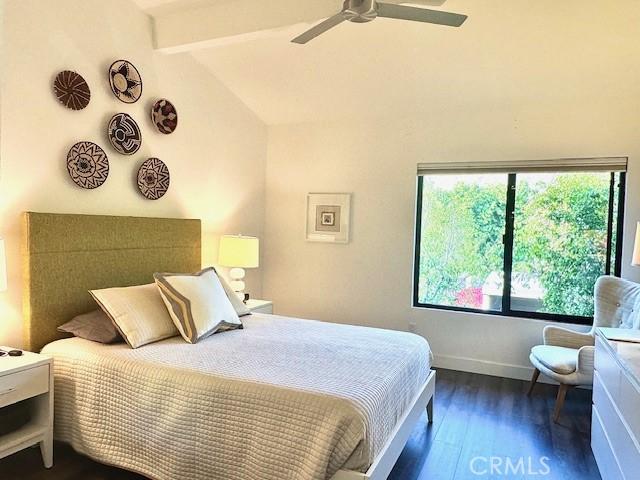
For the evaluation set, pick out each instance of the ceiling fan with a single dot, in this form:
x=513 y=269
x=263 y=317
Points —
x=363 y=11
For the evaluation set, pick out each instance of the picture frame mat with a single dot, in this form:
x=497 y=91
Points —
x=343 y=200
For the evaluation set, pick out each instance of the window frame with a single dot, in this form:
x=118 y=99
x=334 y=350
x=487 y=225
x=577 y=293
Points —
x=506 y=310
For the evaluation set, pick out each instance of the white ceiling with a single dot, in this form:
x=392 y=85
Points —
x=507 y=51
x=163 y=6
x=156 y=7
x=149 y=4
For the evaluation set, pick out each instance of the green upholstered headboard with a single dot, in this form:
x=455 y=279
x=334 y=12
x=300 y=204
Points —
x=64 y=256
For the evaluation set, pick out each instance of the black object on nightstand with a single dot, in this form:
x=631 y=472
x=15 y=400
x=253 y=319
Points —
x=11 y=353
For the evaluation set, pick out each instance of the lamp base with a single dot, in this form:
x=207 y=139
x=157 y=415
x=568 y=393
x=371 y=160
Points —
x=237 y=284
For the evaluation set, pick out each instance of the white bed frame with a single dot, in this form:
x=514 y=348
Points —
x=387 y=458
x=46 y=243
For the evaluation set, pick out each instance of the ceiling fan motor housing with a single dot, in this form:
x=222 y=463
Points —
x=360 y=11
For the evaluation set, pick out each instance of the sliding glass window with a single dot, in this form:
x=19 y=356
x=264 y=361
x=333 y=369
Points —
x=529 y=244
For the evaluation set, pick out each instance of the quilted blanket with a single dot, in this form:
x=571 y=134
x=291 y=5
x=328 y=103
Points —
x=282 y=399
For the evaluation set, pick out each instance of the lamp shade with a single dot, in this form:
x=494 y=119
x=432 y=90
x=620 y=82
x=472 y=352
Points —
x=3 y=267
x=239 y=251
x=635 y=261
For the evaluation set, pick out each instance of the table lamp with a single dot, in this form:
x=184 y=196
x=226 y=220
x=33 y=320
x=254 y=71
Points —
x=239 y=252
x=635 y=261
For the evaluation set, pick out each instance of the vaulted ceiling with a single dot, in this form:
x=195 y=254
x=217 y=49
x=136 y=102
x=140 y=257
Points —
x=507 y=51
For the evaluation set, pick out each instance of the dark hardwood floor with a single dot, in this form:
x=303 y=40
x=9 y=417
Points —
x=478 y=417
x=480 y=422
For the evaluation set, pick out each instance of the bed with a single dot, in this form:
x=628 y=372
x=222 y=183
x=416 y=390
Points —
x=282 y=398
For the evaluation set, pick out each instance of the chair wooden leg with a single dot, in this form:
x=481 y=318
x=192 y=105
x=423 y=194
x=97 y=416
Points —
x=534 y=379
x=562 y=393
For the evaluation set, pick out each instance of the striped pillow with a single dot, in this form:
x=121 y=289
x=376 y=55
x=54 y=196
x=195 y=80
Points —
x=137 y=312
x=197 y=303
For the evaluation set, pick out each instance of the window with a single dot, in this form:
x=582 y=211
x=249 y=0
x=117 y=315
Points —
x=527 y=244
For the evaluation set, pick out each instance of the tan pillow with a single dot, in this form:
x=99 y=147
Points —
x=138 y=313
x=95 y=326
x=197 y=303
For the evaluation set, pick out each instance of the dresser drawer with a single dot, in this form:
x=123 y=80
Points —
x=608 y=368
x=628 y=403
x=606 y=460
x=18 y=386
x=620 y=439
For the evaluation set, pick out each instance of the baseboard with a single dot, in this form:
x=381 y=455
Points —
x=486 y=367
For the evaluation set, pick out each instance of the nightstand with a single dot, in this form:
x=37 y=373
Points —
x=29 y=378
x=259 y=306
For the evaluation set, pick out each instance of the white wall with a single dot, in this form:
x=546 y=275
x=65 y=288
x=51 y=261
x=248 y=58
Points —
x=369 y=281
x=217 y=161
x=216 y=156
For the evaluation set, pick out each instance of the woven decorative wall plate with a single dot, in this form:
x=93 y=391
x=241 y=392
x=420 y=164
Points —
x=125 y=81
x=164 y=116
x=88 y=165
x=124 y=134
x=153 y=178
x=72 y=90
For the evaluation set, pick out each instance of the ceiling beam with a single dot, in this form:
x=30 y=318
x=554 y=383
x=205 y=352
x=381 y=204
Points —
x=233 y=21
x=227 y=22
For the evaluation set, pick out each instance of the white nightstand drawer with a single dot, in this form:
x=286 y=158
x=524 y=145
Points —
x=24 y=384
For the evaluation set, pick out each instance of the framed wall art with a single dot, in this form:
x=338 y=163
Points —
x=328 y=217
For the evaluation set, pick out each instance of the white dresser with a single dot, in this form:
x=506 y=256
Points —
x=615 y=428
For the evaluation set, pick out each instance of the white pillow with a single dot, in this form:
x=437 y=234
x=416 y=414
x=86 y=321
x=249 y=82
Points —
x=137 y=312
x=197 y=303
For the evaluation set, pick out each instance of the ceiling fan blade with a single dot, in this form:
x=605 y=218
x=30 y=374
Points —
x=319 y=29
x=420 y=15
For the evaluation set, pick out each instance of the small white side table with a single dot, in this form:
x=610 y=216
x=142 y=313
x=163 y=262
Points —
x=28 y=377
x=259 y=306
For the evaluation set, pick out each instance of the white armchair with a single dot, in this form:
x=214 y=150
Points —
x=567 y=356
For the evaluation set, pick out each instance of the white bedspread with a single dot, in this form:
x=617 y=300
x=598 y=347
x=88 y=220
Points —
x=281 y=399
